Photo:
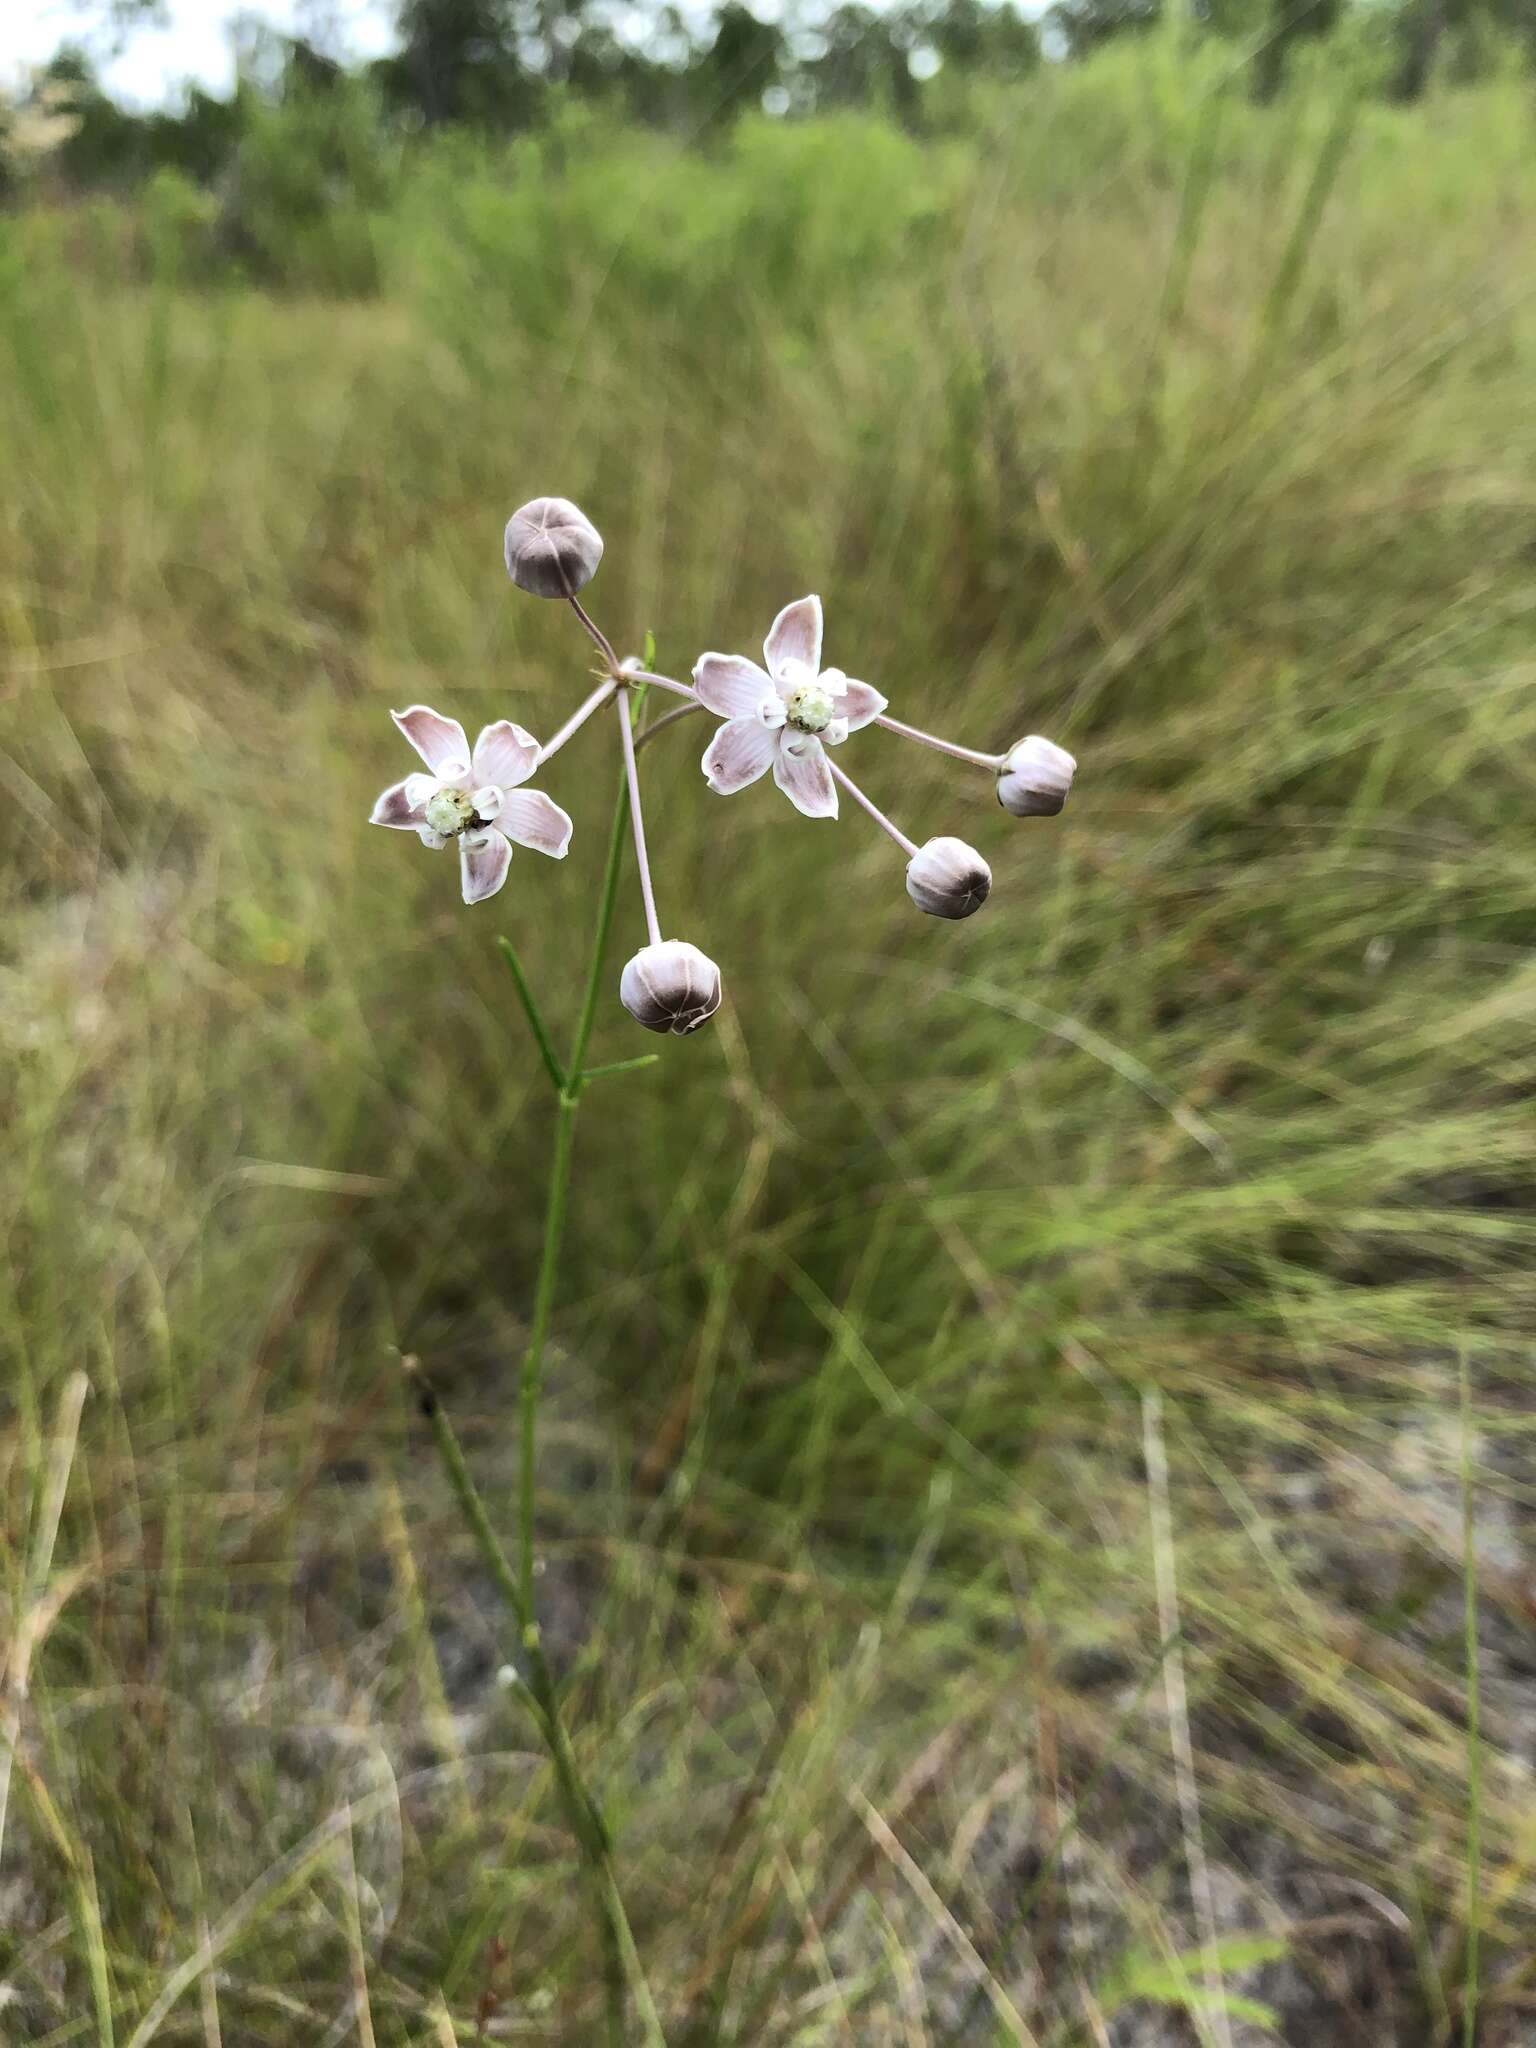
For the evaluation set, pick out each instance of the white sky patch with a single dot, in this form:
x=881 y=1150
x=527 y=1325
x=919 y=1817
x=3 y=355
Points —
x=197 y=42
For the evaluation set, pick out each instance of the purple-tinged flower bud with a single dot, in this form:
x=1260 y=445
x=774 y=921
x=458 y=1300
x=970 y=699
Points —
x=1034 y=778
x=671 y=987
x=552 y=547
x=947 y=878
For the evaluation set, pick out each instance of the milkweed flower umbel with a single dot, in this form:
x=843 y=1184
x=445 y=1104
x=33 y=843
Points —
x=475 y=796
x=783 y=717
x=789 y=714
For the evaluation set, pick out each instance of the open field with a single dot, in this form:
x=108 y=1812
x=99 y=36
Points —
x=1034 y=1401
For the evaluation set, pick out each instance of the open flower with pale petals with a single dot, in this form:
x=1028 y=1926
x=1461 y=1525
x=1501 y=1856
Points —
x=785 y=717
x=473 y=796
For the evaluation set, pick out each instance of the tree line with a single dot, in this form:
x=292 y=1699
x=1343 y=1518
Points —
x=499 y=65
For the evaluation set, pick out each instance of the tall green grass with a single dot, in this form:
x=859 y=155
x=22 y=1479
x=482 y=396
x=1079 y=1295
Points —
x=1197 y=438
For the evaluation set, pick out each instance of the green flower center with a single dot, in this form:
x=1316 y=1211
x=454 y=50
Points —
x=810 y=708
x=448 y=811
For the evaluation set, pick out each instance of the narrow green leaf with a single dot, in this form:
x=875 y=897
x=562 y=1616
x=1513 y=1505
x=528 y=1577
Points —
x=535 y=1021
x=644 y=1059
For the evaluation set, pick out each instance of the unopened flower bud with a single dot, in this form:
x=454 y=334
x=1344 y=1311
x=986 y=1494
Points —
x=671 y=987
x=947 y=878
x=552 y=547
x=1033 y=781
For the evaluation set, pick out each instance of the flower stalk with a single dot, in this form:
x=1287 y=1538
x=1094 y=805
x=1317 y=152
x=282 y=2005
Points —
x=846 y=781
x=667 y=718
x=950 y=747
x=569 y=1079
x=637 y=820
x=604 y=644
x=578 y=718
x=645 y=675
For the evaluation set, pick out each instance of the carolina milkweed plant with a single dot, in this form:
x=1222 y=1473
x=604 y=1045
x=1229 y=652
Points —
x=789 y=716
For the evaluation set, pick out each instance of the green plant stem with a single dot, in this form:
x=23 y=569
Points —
x=533 y=1358
x=620 y=1957
x=569 y=1082
x=1474 y=1713
x=600 y=933
x=585 y=1816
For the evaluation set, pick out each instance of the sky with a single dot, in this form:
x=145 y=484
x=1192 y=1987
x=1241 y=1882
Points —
x=153 y=63
x=149 y=66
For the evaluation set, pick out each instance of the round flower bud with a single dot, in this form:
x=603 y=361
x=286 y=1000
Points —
x=671 y=987
x=947 y=878
x=1034 y=779
x=552 y=547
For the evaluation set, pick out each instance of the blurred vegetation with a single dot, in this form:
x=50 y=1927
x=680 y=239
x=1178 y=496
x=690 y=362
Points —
x=304 y=130
x=1193 y=434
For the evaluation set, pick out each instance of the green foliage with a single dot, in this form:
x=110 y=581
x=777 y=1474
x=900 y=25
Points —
x=500 y=68
x=179 y=221
x=301 y=198
x=1193 y=1983
x=569 y=223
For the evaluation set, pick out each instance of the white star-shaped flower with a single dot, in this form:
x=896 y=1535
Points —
x=473 y=796
x=783 y=717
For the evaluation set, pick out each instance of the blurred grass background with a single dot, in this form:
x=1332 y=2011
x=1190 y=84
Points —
x=1009 y=1507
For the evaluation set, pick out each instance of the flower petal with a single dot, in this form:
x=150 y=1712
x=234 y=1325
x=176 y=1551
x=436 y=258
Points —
x=400 y=806
x=484 y=858
x=802 y=771
x=730 y=685
x=533 y=819
x=739 y=753
x=505 y=754
x=861 y=704
x=795 y=635
x=439 y=741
